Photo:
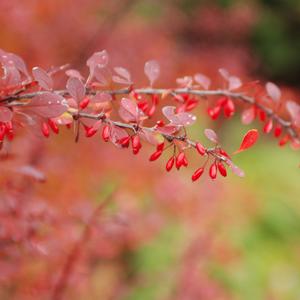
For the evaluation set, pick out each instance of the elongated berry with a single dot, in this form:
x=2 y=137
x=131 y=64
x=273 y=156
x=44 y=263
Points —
x=136 y=144
x=229 y=108
x=213 y=171
x=53 y=126
x=222 y=169
x=180 y=160
x=277 y=130
x=197 y=174
x=154 y=156
x=124 y=142
x=214 y=112
x=170 y=164
x=268 y=126
x=45 y=129
x=84 y=103
x=90 y=132
x=160 y=147
x=106 y=133
x=200 y=148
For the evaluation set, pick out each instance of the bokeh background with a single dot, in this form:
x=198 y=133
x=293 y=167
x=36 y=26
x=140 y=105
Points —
x=160 y=237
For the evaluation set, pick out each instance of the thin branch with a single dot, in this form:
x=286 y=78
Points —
x=13 y=100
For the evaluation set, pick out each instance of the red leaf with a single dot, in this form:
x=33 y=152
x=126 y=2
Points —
x=43 y=78
x=273 y=91
x=129 y=110
x=249 y=140
x=152 y=70
x=48 y=105
x=203 y=80
x=76 y=88
x=211 y=135
x=180 y=119
x=123 y=76
x=248 y=115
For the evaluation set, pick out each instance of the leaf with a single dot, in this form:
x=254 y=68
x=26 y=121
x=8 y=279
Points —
x=5 y=114
x=248 y=115
x=203 y=80
x=152 y=70
x=294 y=110
x=235 y=169
x=74 y=73
x=249 y=140
x=123 y=76
x=211 y=135
x=234 y=82
x=100 y=75
x=273 y=91
x=180 y=119
x=76 y=88
x=129 y=110
x=48 y=105
x=98 y=59
x=167 y=129
x=186 y=81
x=41 y=76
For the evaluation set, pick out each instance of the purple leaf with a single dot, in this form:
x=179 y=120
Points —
x=75 y=88
x=186 y=81
x=74 y=73
x=294 y=110
x=123 y=76
x=203 y=80
x=180 y=119
x=41 y=76
x=98 y=59
x=5 y=114
x=48 y=105
x=100 y=75
x=168 y=129
x=129 y=111
x=152 y=70
x=273 y=91
x=235 y=169
x=248 y=115
x=211 y=135
x=233 y=81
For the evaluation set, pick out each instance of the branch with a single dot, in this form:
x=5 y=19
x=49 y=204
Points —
x=182 y=91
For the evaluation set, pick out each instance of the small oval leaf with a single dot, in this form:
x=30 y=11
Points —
x=249 y=140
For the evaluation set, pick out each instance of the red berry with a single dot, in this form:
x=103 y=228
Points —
x=84 y=103
x=155 y=155
x=53 y=126
x=160 y=147
x=213 y=171
x=197 y=174
x=262 y=116
x=170 y=164
x=277 y=130
x=284 y=140
x=106 y=133
x=222 y=169
x=136 y=144
x=200 y=148
x=229 y=108
x=45 y=129
x=90 y=132
x=214 y=112
x=124 y=142
x=268 y=126
x=180 y=160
